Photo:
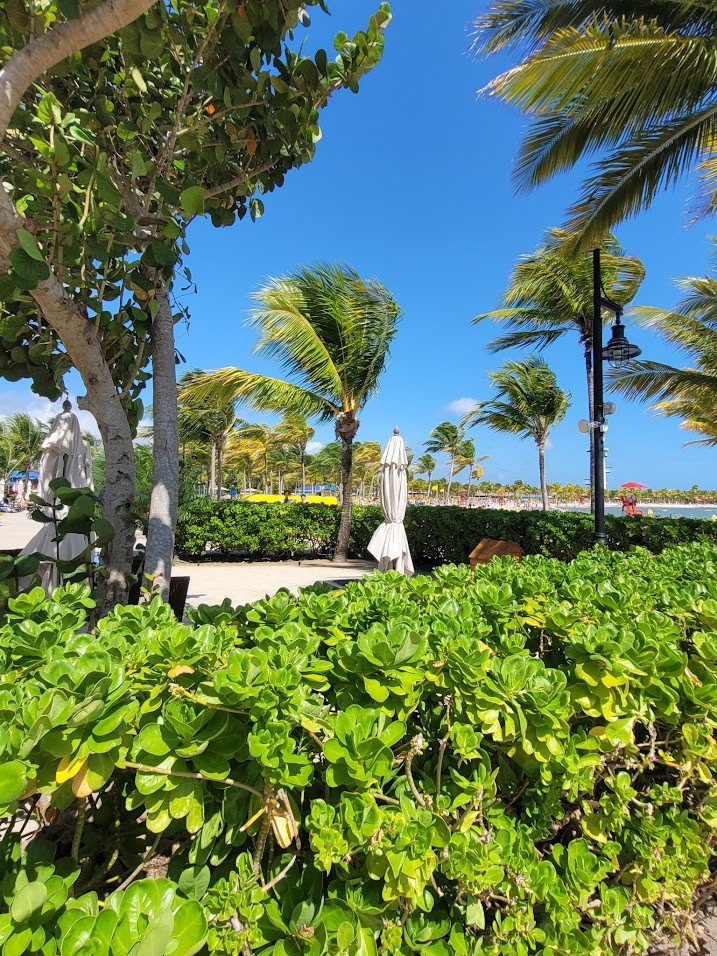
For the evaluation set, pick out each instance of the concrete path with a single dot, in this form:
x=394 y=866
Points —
x=211 y=582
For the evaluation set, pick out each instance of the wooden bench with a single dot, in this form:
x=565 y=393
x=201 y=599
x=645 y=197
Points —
x=490 y=548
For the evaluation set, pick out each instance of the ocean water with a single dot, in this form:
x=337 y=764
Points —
x=666 y=511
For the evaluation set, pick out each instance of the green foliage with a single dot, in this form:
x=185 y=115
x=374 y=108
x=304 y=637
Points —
x=509 y=761
x=255 y=529
x=436 y=535
x=688 y=393
x=582 y=85
x=121 y=145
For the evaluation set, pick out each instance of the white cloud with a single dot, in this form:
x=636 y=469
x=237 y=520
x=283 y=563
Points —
x=461 y=406
x=43 y=409
x=314 y=446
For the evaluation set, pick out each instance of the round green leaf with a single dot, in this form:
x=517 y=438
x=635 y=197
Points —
x=13 y=781
x=30 y=898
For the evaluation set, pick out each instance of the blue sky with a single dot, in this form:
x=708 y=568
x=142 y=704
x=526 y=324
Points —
x=411 y=184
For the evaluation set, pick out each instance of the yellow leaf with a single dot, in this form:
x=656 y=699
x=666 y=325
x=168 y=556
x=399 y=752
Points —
x=68 y=768
x=284 y=828
x=80 y=784
x=180 y=669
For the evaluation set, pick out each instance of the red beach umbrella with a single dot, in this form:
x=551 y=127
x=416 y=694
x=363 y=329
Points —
x=634 y=484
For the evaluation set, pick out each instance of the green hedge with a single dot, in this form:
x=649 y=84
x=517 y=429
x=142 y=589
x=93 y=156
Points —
x=512 y=761
x=436 y=535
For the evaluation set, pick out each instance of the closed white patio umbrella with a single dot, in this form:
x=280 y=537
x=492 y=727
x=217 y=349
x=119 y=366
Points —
x=389 y=544
x=65 y=454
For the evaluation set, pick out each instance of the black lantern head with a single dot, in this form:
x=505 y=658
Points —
x=618 y=351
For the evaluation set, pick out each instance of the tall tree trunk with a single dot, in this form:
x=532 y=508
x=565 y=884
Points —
x=220 y=468
x=346 y=427
x=212 y=489
x=430 y=475
x=541 y=468
x=450 y=479
x=101 y=399
x=591 y=388
x=303 y=472
x=342 y=543
x=165 y=456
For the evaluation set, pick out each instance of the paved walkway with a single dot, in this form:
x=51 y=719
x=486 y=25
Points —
x=211 y=582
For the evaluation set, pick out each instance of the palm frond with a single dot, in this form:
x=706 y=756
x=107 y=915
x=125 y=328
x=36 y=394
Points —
x=261 y=391
x=655 y=380
x=530 y=22
x=629 y=179
x=330 y=329
x=529 y=339
x=528 y=400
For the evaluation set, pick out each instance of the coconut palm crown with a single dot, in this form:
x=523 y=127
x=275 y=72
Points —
x=528 y=402
x=330 y=331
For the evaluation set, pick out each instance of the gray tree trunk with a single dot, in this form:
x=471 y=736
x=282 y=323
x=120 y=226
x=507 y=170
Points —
x=212 y=489
x=165 y=457
x=342 y=542
x=450 y=479
x=541 y=467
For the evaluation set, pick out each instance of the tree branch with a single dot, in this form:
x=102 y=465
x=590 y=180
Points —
x=56 y=44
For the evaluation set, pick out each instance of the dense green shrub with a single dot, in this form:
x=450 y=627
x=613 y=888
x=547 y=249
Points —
x=256 y=530
x=436 y=535
x=502 y=762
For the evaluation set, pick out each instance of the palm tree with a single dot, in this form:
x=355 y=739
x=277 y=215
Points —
x=426 y=465
x=367 y=459
x=331 y=331
x=528 y=403
x=448 y=439
x=466 y=458
x=209 y=419
x=688 y=393
x=325 y=465
x=25 y=435
x=294 y=431
x=632 y=78
x=550 y=295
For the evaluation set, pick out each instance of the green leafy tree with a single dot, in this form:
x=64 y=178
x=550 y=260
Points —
x=426 y=465
x=688 y=393
x=632 y=79
x=331 y=331
x=549 y=295
x=528 y=403
x=188 y=111
x=447 y=439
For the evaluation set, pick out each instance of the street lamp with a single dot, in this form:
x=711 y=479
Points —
x=617 y=352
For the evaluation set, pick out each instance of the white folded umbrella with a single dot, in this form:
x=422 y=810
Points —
x=65 y=454
x=389 y=544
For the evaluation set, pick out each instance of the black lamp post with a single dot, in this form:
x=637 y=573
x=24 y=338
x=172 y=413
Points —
x=617 y=352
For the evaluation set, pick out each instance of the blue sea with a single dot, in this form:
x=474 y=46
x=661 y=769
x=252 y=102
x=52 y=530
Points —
x=665 y=511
